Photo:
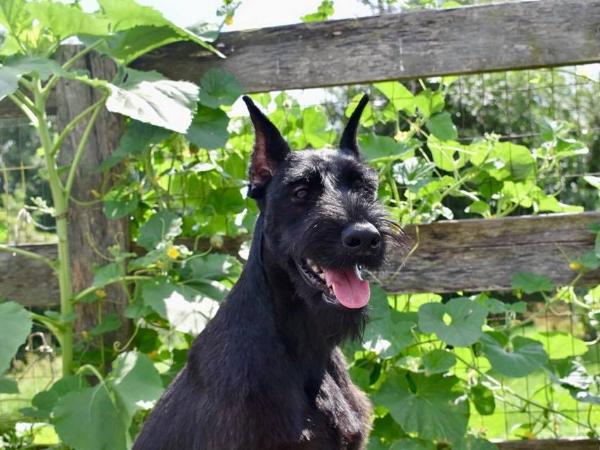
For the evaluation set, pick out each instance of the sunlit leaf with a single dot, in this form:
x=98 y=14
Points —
x=516 y=357
x=149 y=97
x=15 y=326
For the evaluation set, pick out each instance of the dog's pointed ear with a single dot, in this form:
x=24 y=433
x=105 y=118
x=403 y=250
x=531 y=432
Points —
x=270 y=149
x=348 y=143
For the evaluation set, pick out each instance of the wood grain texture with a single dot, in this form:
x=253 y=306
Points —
x=467 y=255
x=551 y=444
x=29 y=282
x=396 y=46
x=479 y=255
x=418 y=44
x=91 y=233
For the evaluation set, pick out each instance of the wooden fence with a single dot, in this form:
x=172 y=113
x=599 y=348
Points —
x=470 y=255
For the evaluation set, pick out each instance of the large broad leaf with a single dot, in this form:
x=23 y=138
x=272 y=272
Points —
x=214 y=266
x=314 y=125
x=513 y=161
x=438 y=361
x=387 y=332
x=127 y=14
x=186 y=309
x=89 y=419
x=530 y=282
x=149 y=97
x=483 y=399
x=209 y=128
x=135 y=380
x=44 y=402
x=65 y=20
x=441 y=126
x=457 y=322
x=516 y=357
x=413 y=444
x=428 y=405
x=219 y=87
x=447 y=155
x=15 y=325
x=14 y=68
x=14 y=15
x=398 y=95
x=373 y=146
x=162 y=226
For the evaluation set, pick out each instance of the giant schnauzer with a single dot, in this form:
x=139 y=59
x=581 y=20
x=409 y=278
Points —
x=266 y=373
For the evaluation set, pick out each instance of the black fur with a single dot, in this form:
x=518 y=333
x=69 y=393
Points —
x=266 y=373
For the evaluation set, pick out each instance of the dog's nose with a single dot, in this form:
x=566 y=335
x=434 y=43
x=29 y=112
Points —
x=361 y=237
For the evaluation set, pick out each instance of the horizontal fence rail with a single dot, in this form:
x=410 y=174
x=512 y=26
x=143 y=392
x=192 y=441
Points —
x=448 y=256
x=418 y=44
x=484 y=254
x=551 y=444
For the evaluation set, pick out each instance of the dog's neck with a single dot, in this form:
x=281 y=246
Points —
x=311 y=333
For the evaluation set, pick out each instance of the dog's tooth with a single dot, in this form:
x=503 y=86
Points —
x=358 y=272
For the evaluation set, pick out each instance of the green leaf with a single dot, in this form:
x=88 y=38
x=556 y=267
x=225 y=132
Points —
x=413 y=444
x=186 y=309
x=209 y=128
x=127 y=14
x=518 y=162
x=559 y=345
x=373 y=146
x=108 y=274
x=162 y=226
x=117 y=205
x=428 y=405
x=441 y=126
x=517 y=357
x=593 y=180
x=483 y=399
x=8 y=386
x=45 y=401
x=465 y=321
x=135 y=142
x=387 y=332
x=134 y=379
x=82 y=420
x=597 y=245
x=109 y=323
x=219 y=87
x=429 y=102
x=149 y=97
x=529 y=282
x=438 y=361
x=324 y=11
x=398 y=95
x=214 y=266
x=314 y=125
x=65 y=20
x=15 y=326
x=14 y=15
x=14 y=68
x=448 y=155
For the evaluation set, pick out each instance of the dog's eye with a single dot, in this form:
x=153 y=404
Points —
x=300 y=193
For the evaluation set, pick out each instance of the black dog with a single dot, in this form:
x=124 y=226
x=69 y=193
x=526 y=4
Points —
x=266 y=373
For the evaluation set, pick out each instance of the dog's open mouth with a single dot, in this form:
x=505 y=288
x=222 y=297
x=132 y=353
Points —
x=346 y=285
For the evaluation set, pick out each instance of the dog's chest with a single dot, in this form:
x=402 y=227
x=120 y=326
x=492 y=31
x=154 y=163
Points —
x=333 y=421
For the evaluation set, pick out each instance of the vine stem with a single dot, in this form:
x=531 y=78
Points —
x=73 y=123
x=28 y=254
x=61 y=216
x=81 y=148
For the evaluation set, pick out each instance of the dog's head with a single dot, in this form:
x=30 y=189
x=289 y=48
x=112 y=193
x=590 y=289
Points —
x=321 y=214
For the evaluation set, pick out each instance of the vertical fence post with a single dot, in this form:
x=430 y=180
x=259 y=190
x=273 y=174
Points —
x=91 y=233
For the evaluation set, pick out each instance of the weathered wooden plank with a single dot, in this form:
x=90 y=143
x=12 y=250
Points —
x=91 y=233
x=33 y=284
x=397 y=46
x=29 y=282
x=551 y=444
x=450 y=256
x=477 y=255
x=419 y=44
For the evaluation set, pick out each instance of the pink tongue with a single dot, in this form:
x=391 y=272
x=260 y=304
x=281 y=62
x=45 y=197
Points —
x=348 y=289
